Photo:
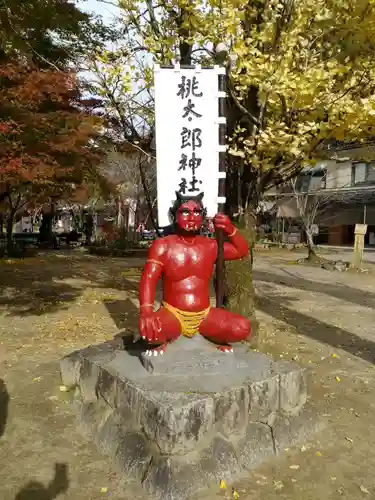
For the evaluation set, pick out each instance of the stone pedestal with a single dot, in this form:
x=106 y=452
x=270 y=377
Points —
x=180 y=422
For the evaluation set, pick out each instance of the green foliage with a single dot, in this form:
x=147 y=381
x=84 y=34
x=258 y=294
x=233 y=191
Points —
x=123 y=84
x=48 y=31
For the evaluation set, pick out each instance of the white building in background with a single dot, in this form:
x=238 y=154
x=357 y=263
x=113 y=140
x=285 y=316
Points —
x=25 y=225
x=348 y=174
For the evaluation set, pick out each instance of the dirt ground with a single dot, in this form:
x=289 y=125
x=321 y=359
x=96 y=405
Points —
x=56 y=303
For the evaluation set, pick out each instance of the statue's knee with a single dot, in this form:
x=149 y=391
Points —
x=244 y=329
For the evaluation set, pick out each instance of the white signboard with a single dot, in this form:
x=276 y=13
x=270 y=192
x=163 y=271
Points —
x=187 y=140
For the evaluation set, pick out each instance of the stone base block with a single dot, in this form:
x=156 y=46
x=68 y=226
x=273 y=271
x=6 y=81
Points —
x=180 y=422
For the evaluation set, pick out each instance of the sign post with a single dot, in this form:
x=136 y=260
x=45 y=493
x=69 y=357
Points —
x=190 y=127
x=220 y=266
x=359 y=243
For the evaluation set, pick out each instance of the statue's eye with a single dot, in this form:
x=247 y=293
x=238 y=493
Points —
x=184 y=212
x=197 y=212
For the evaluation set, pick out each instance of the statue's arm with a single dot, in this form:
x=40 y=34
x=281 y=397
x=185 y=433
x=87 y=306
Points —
x=151 y=274
x=236 y=247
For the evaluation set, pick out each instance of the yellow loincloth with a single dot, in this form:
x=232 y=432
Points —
x=189 y=321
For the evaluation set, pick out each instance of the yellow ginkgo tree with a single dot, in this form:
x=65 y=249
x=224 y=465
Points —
x=300 y=73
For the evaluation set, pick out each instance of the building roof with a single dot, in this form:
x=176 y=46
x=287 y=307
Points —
x=334 y=145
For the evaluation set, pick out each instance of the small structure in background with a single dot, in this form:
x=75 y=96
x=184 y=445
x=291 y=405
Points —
x=335 y=195
x=359 y=243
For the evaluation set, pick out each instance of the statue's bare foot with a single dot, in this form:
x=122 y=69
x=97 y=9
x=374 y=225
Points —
x=156 y=351
x=227 y=348
x=224 y=348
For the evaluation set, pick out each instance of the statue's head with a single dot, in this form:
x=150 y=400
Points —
x=188 y=213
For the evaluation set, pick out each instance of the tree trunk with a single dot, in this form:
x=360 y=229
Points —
x=45 y=229
x=9 y=232
x=240 y=293
x=126 y=218
x=136 y=221
x=120 y=218
x=150 y=205
x=311 y=250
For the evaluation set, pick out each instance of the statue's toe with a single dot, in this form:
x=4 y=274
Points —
x=225 y=348
x=157 y=351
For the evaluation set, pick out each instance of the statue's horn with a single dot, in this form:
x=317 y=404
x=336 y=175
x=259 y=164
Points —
x=200 y=196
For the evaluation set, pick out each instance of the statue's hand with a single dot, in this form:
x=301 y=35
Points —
x=222 y=221
x=150 y=327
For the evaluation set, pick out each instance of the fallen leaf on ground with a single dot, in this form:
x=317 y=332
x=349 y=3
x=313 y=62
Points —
x=364 y=490
x=223 y=485
x=37 y=379
x=63 y=388
x=261 y=482
x=318 y=454
x=104 y=490
x=294 y=467
x=349 y=439
x=338 y=379
x=278 y=485
x=235 y=495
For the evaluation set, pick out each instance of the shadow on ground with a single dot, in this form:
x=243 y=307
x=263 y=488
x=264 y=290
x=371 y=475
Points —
x=4 y=403
x=276 y=306
x=124 y=314
x=43 y=285
x=37 y=491
x=339 y=291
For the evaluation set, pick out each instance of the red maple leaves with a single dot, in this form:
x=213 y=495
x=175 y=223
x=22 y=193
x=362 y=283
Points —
x=47 y=137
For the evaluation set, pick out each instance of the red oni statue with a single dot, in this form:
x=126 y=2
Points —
x=185 y=261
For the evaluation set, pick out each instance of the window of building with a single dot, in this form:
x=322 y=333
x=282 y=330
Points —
x=323 y=181
x=312 y=181
x=363 y=173
x=371 y=172
x=318 y=180
x=359 y=173
x=304 y=183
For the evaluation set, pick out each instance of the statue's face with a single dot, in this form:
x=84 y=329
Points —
x=190 y=216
